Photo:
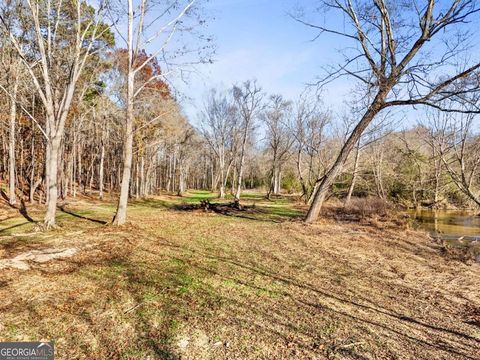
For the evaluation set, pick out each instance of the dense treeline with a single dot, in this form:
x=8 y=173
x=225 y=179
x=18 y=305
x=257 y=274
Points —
x=421 y=166
x=82 y=114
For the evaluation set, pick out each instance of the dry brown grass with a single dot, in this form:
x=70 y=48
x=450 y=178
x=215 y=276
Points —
x=368 y=206
x=177 y=284
x=359 y=208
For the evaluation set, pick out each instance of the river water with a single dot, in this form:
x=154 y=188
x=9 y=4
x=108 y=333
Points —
x=448 y=223
x=458 y=228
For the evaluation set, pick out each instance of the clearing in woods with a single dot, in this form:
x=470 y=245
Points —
x=180 y=282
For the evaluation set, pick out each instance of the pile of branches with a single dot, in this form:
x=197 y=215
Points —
x=221 y=208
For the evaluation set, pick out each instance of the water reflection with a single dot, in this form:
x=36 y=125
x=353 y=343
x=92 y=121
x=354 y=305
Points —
x=456 y=229
x=448 y=223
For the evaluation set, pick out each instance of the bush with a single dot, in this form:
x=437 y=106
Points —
x=291 y=184
x=367 y=206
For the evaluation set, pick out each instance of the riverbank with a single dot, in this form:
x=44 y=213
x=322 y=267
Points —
x=258 y=283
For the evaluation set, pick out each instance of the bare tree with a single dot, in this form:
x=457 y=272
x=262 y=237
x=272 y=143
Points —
x=277 y=117
x=13 y=77
x=428 y=132
x=395 y=62
x=248 y=99
x=355 y=172
x=310 y=134
x=143 y=28
x=49 y=51
x=220 y=130
x=458 y=145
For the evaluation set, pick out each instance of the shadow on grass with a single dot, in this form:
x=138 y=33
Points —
x=169 y=287
x=109 y=280
x=12 y=245
x=23 y=211
x=457 y=344
x=194 y=196
x=152 y=203
x=8 y=218
x=169 y=293
x=62 y=209
x=163 y=295
x=276 y=214
x=13 y=227
x=276 y=210
x=162 y=298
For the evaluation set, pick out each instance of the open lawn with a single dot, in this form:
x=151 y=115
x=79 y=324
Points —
x=183 y=283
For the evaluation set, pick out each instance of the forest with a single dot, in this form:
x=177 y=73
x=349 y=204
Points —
x=259 y=225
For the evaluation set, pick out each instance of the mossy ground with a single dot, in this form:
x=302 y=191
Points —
x=259 y=284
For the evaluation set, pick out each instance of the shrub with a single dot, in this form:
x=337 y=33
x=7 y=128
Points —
x=291 y=184
x=367 y=206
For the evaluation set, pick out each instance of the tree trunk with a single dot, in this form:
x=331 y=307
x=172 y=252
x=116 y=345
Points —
x=227 y=174
x=181 y=179
x=272 y=186
x=33 y=188
x=354 y=175
x=222 y=176
x=47 y=169
x=61 y=166
x=137 y=181
x=79 y=168
x=11 y=145
x=169 y=177
x=52 y=193
x=300 y=176
x=330 y=176
x=121 y=214
x=32 y=173
x=100 y=172
x=277 y=181
x=142 y=176
x=438 y=175
x=242 y=164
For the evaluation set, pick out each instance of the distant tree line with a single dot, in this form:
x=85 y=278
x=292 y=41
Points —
x=86 y=110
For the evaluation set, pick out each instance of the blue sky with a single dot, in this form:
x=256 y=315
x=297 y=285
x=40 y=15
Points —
x=256 y=39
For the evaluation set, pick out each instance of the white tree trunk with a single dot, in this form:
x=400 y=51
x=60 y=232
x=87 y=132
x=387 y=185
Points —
x=354 y=176
x=52 y=193
x=11 y=146
x=242 y=163
x=121 y=214
x=100 y=172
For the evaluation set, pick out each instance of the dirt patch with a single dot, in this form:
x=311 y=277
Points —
x=21 y=261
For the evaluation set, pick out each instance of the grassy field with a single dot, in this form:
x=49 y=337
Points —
x=183 y=283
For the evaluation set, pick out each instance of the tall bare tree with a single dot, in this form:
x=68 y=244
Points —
x=393 y=59
x=220 y=130
x=310 y=136
x=277 y=118
x=458 y=145
x=62 y=37
x=143 y=28
x=248 y=99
